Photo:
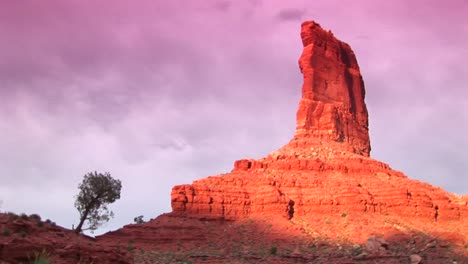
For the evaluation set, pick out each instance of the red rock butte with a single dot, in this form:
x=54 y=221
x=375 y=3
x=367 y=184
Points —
x=325 y=169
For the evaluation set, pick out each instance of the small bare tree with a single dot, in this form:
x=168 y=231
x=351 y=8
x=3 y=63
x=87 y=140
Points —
x=96 y=191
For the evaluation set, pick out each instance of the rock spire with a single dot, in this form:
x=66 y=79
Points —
x=332 y=106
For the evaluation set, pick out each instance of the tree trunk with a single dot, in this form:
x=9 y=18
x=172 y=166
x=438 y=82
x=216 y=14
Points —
x=82 y=220
x=85 y=214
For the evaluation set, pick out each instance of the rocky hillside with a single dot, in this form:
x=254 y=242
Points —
x=29 y=239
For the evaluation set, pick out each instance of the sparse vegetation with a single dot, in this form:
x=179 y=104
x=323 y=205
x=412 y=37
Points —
x=97 y=190
x=6 y=232
x=138 y=219
x=42 y=257
x=130 y=247
x=35 y=217
x=50 y=222
x=12 y=216
x=81 y=261
x=356 y=250
x=273 y=250
x=23 y=233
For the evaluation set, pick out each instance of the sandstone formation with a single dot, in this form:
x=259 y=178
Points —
x=332 y=106
x=318 y=199
x=325 y=169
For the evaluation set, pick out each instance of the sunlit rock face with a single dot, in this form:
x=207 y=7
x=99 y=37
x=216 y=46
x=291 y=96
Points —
x=325 y=169
x=332 y=106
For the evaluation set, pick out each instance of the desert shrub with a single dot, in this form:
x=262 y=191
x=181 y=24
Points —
x=50 y=222
x=24 y=216
x=42 y=260
x=273 y=250
x=6 y=232
x=138 y=219
x=85 y=261
x=23 y=233
x=130 y=247
x=35 y=217
x=356 y=250
x=12 y=216
x=41 y=257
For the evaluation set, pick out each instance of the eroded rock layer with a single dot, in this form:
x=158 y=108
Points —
x=299 y=187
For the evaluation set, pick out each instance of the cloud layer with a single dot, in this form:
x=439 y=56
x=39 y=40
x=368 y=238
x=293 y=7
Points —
x=164 y=92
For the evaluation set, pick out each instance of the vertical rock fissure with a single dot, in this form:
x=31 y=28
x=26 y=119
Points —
x=290 y=209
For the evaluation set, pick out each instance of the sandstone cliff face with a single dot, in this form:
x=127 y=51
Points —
x=325 y=169
x=315 y=187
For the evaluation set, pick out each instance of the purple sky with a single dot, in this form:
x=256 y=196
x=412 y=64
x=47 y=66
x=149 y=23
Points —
x=160 y=93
